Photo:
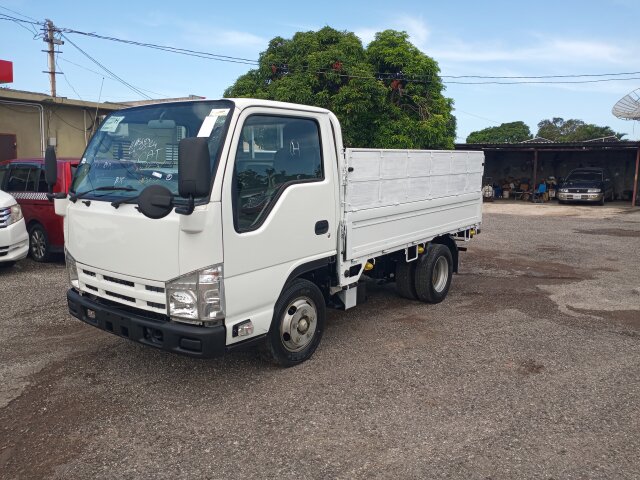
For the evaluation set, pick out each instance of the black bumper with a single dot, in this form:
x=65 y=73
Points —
x=203 y=342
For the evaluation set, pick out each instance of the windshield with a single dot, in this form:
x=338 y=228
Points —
x=137 y=147
x=585 y=177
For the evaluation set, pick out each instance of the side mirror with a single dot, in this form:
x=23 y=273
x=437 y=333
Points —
x=194 y=170
x=50 y=168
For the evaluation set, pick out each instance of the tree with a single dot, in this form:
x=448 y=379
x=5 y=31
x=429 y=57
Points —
x=386 y=96
x=560 y=130
x=513 y=132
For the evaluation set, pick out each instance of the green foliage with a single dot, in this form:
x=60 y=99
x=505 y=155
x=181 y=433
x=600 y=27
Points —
x=331 y=69
x=573 y=130
x=513 y=132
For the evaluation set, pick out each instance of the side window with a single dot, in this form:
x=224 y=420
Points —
x=273 y=153
x=42 y=184
x=22 y=178
x=3 y=174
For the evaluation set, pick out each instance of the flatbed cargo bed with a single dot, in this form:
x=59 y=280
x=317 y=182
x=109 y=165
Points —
x=397 y=198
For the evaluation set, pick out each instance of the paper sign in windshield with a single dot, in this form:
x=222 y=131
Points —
x=215 y=118
x=110 y=125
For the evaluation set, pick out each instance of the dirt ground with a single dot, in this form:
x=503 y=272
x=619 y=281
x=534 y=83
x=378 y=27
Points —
x=529 y=369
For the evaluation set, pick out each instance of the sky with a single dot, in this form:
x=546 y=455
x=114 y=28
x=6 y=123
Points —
x=489 y=38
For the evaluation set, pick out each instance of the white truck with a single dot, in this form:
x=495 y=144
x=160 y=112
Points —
x=14 y=240
x=204 y=226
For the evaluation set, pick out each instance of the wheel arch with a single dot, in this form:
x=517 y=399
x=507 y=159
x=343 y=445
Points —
x=316 y=271
x=33 y=222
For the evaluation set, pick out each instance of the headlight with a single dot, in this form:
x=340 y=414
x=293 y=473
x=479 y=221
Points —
x=15 y=214
x=564 y=190
x=72 y=269
x=594 y=190
x=197 y=297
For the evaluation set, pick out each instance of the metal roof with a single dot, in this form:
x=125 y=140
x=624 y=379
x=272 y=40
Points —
x=557 y=146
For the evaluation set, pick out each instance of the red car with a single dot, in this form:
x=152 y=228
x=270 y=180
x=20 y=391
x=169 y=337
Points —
x=24 y=179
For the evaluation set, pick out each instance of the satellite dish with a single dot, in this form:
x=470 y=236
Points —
x=628 y=107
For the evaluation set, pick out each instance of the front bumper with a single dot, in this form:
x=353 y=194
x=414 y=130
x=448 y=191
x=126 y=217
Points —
x=580 y=197
x=195 y=341
x=14 y=242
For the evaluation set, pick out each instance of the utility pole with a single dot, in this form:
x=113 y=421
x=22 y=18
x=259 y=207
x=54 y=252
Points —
x=49 y=38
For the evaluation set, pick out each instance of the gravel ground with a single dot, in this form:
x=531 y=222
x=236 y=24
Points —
x=529 y=369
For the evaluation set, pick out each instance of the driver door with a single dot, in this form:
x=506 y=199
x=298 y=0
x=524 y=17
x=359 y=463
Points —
x=279 y=208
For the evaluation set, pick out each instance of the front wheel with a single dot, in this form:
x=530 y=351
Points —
x=39 y=243
x=433 y=274
x=297 y=325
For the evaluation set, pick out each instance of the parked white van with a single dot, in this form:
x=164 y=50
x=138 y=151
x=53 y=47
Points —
x=14 y=241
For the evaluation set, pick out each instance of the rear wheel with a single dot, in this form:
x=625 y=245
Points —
x=297 y=325
x=39 y=247
x=406 y=279
x=433 y=274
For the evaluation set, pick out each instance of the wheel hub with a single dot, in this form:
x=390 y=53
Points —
x=298 y=325
x=440 y=274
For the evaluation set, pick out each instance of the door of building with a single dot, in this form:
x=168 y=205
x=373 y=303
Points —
x=8 y=146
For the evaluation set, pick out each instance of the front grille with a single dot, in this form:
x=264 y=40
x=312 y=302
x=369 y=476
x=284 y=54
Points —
x=5 y=213
x=146 y=295
x=118 y=280
x=132 y=310
x=578 y=190
x=120 y=296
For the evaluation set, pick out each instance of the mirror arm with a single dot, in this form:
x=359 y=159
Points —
x=56 y=196
x=188 y=210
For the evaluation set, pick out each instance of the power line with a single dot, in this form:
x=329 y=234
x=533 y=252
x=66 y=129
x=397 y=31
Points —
x=18 y=13
x=66 y=79
x=109 y=77
x=19 y=21
x=136 y=90
x=490 y=80
x=543 y=76
x=562 y=82
x=182 y=51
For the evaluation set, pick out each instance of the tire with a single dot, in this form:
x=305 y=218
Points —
x=406 y=279
x=297 y=325
x=601 y=202
x=39 y=247
x=433 y=274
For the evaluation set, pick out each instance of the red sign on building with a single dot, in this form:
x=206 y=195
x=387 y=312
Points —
x=6 y=71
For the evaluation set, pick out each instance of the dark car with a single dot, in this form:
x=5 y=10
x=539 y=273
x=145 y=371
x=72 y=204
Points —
x=592 y=185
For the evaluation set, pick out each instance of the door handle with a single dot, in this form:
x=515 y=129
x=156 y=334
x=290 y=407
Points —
x=322 y=227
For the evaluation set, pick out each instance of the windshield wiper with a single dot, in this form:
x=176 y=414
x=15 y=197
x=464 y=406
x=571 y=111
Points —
x=116 y=203
x=74 y=197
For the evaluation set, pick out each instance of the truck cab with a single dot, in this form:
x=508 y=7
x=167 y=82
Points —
x=204 y=226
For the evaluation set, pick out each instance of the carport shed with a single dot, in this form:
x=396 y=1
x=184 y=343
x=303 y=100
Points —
x=537 y=161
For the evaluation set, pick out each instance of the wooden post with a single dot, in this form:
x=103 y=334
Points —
x=635 y=180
